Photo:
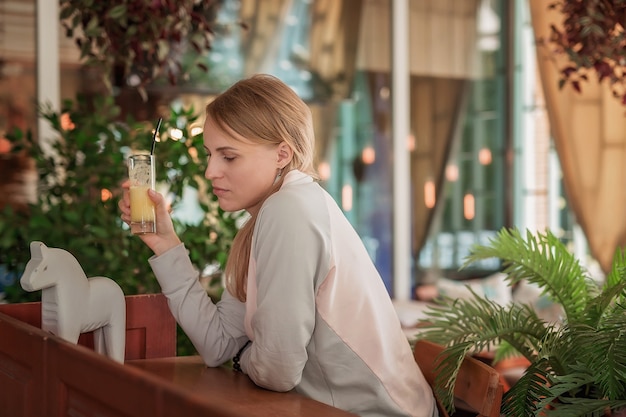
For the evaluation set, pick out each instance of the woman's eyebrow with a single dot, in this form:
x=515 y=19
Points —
x=220 y=149
x=225 y=148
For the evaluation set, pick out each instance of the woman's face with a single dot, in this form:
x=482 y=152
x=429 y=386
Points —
x=241 y=171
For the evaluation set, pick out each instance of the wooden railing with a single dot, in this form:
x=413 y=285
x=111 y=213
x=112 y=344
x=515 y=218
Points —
x=42 y=375
x=150 y=327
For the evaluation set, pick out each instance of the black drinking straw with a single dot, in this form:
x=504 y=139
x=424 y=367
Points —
x=156 y=130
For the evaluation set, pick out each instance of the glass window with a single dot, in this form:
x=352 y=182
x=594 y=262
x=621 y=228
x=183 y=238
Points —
x=473 y=184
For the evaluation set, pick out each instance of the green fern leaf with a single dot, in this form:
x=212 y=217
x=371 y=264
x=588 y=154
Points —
x=618 y=269
x=544 y=261
x=447 y=369
x=565 y=386
x=598 y=306
x=484 y=323
x=583 y=407
x=522 y=399
x=604 y=352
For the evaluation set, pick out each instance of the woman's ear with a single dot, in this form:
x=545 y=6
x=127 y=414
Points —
x=285 y=154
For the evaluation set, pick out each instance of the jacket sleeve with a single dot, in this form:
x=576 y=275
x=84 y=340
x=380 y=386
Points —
x=288 y=248
x=216 y=330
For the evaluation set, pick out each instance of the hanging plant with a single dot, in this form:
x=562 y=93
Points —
x=139 y=40
x=593 y=39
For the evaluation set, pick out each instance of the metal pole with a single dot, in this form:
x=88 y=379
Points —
x=401 y=162
x=48 y=71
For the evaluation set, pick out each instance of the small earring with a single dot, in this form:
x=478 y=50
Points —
x=278 y=175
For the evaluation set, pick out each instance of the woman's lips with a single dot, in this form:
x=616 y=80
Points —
x=219 y=191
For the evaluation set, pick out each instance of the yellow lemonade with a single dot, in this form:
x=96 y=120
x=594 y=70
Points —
x=141 y=210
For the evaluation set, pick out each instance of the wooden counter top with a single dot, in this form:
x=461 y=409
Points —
x=232 y=390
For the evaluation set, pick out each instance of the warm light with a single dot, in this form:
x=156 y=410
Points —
x=368 y=155
x=484 y=156
x=324 y=170
x=488 y=43
x=5 y=145
x=410 y=143
x=196 y=130
x=346 y=197
x=193 y=152
x=384 y=93
x=66 y=122
x=468 y=207
x=488 y=27
x=452 y=173
x=176 y=134
x=105 y=194
x=488 y=19
x=429 y=194
x=133 y=80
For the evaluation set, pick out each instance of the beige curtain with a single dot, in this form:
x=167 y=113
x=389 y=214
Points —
x=443 y=61
x=435 y=113
x=589 y=132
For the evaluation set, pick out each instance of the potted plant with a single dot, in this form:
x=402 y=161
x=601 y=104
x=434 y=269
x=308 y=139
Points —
x=577 y=366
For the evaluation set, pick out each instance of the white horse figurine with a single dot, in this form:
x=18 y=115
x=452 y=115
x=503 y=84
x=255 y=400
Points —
x=72 y=304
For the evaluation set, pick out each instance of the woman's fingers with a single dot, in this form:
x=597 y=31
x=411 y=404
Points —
x=158 y=200
x=161 y=207
x=165 y=238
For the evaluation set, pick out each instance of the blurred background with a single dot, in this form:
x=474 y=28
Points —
x=438 y=122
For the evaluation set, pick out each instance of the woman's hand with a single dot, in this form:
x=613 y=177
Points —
x=165 y=237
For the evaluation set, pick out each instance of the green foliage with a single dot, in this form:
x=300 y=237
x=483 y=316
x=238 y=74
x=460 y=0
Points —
x=578 y=366
x=79 y=178
x=79 y=189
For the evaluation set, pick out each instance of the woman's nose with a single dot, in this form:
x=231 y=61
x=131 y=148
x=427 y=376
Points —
x=210 y=172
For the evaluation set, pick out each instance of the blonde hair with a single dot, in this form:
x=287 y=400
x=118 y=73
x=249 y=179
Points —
x=265 y=110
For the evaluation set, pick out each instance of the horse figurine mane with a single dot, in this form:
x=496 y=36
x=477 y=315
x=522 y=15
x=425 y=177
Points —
x=72 y=304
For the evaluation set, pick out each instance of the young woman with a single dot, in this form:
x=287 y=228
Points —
x=304 y=308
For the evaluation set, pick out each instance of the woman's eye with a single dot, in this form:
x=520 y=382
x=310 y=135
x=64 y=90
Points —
x=229 y=158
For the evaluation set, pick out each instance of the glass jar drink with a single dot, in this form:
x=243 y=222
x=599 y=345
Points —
x=141 y=173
